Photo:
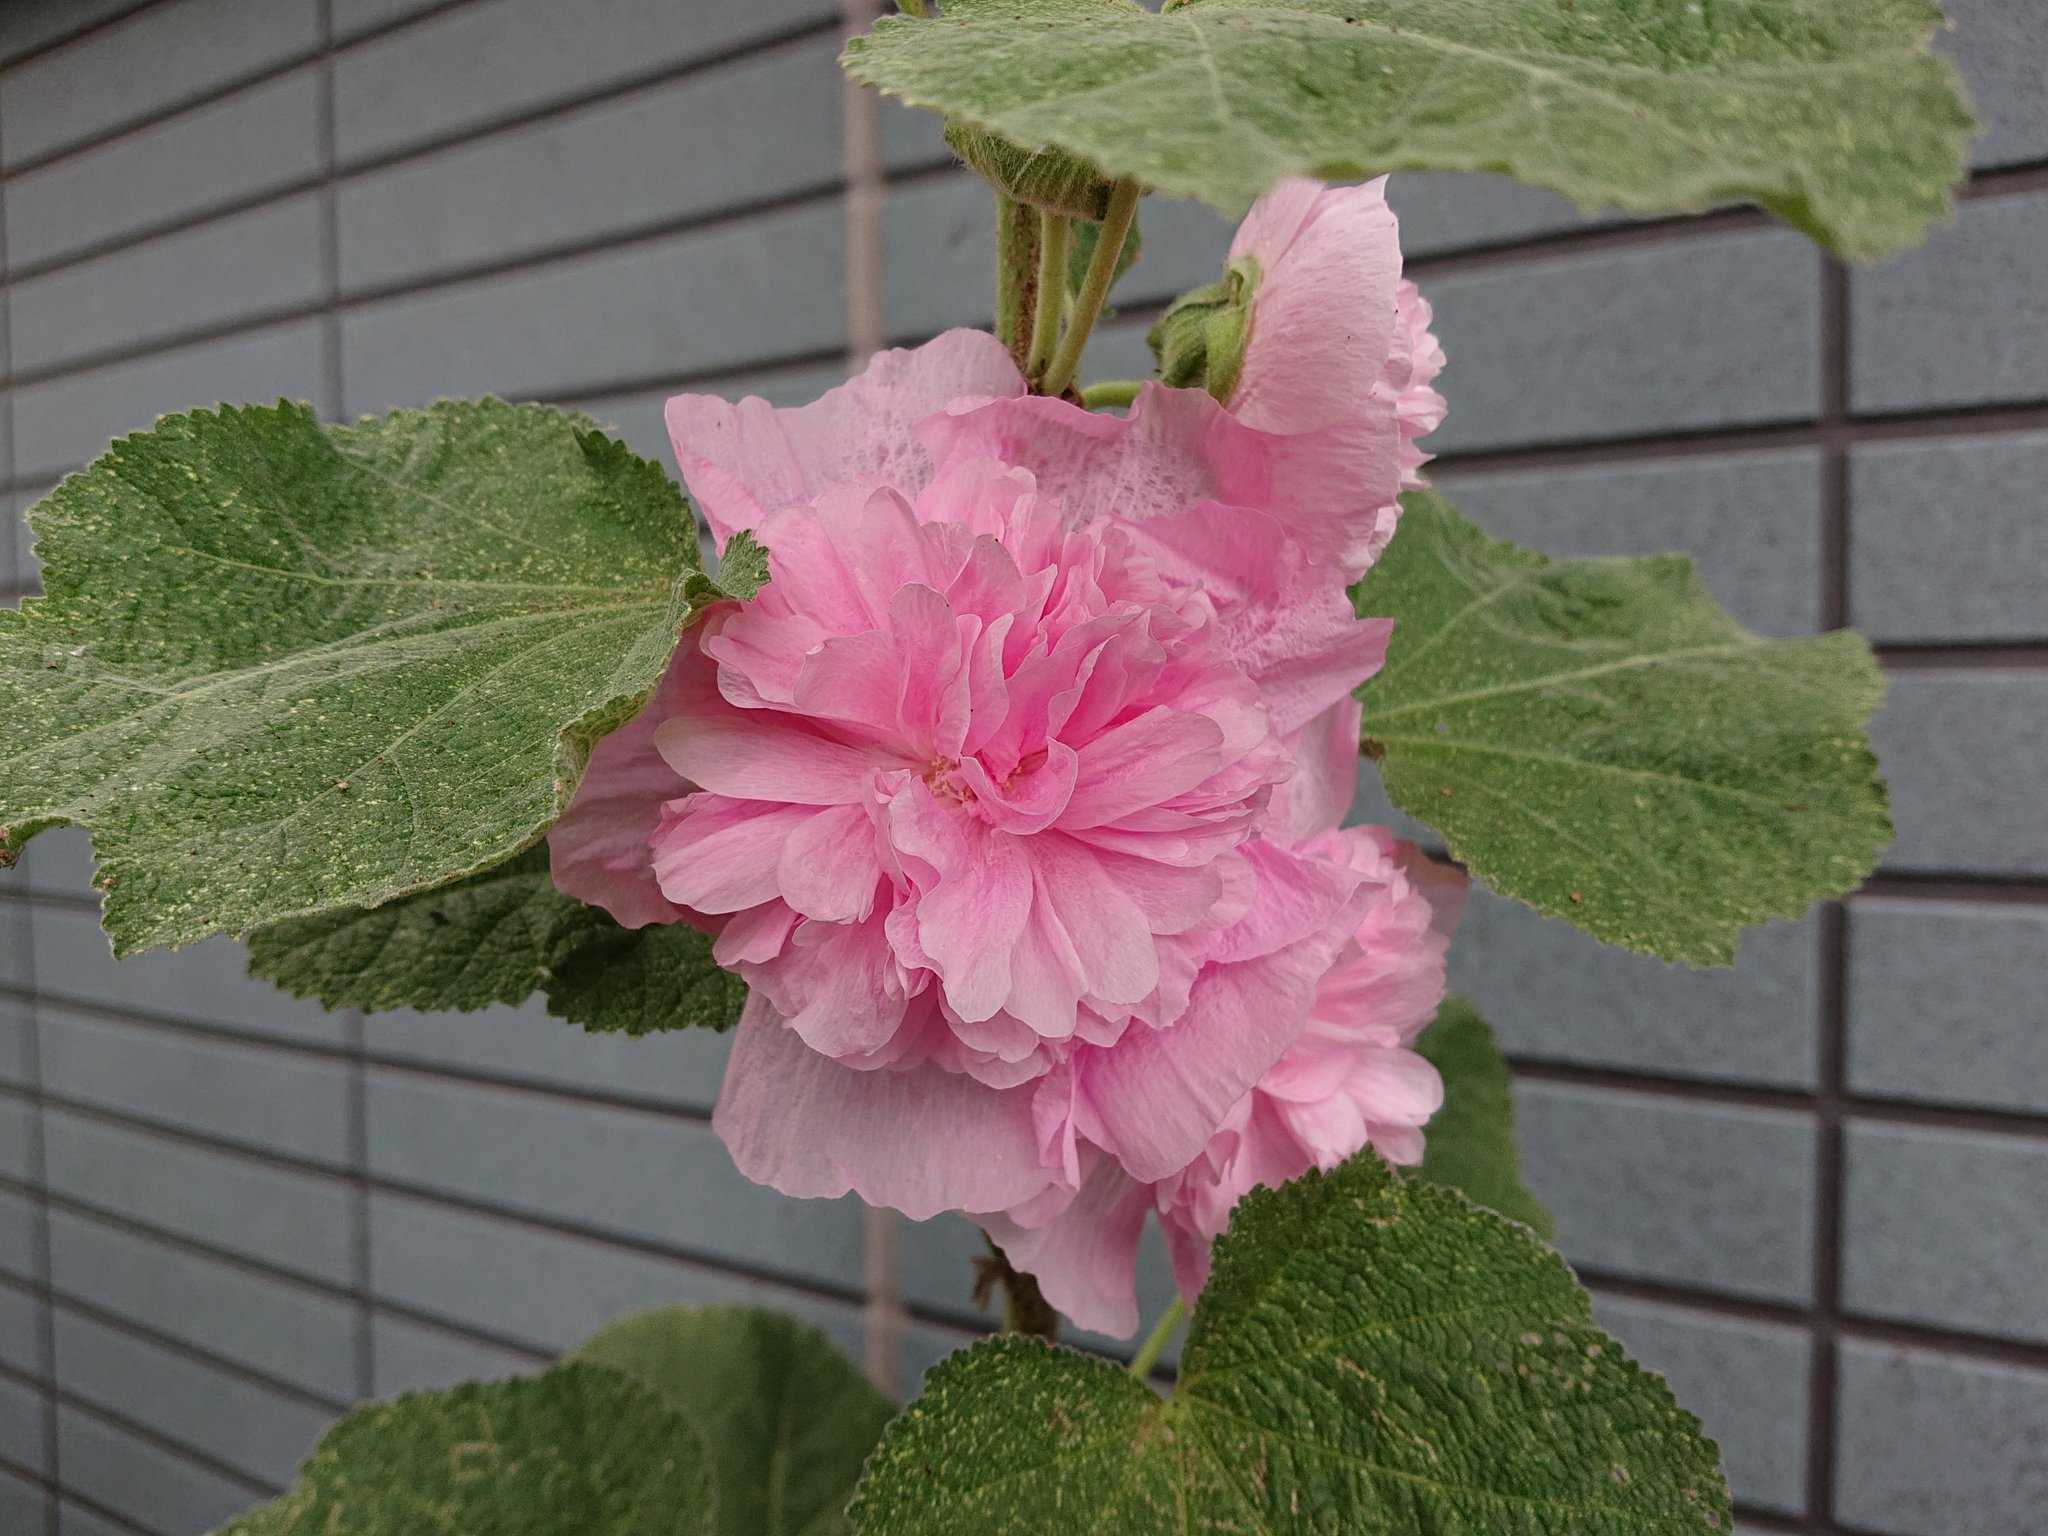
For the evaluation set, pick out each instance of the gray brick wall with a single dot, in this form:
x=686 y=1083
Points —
x=1810 y=1189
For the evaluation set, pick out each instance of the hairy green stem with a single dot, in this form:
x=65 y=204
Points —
x=1025 y=1309
x=1155 y=1341
x=1110 y=393
x=1116 y=228
x=1052 y=292
x=1017 y=231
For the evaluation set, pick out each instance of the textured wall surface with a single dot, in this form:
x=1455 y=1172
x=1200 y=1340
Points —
x=1813 y=1189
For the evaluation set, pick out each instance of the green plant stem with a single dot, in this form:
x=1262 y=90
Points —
x=1111 y=393
x=1017 y=234
x=1025 y=1309
x=1052 y=292
x=1116 y=228
x=913 y=8
x=1155 y=1341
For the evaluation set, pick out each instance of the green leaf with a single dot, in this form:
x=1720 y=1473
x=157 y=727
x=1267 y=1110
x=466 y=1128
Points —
x=499 y=937
x=742 y=571
x=785 y=1419
x=286 y=667
x=1470 y=1143
x=1600 y=740
x=581 y=1450
x=1373 y=1354
x=1832 y=113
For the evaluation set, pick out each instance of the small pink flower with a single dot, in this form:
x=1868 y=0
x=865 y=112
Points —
x=1339 y=353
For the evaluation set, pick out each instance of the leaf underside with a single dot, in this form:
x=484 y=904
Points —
x=1470 y=1143
x=785 y=1419
x=284 y=667
x=1373 y=1354
x=1832 y=113
x=581 y=1449
x=499 y=937
x=1601 y=741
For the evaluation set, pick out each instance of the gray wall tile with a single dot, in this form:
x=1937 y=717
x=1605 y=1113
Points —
x=257 y=1431
x=695 y=303
x=2003 y=52
x=1962 y=752
x=17 y=1016
x=22 y=1439
x=1600 y=333
x=21 y=1322
x=62 y=424
x=1553 y=993
x=625 y=163
x=141 y=1481
x=57 y=863
x=667 y=1179
x=527 y=1043
x=1445 y=211
x=17 y=1236
x=1931 y=1446
x=1917 y=1201
x=23 y=1505
x=255 y=141
x=208 y=983
x=635 y=418
x=253 y=263
x=1751 y=520
x=352 y=17
x=1948 y=540
x=298 y=1222
x=413 y=1357
x=290 y=1332
x=280 y=1101
x=549 y=1290
x=161 y=56
x=1746 y=1381
x=1962 y=320
x=1948 y=1002
x=1702 y=1195
x=26 y=25
x=488 y=61
x=17 y=1123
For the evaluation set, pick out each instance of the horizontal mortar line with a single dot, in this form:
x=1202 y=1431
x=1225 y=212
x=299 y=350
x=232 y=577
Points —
x=2000 y=181
x=708 y=1260
x=536 y=111
x=2017 y=890
x=1988 y=1348
x=173 y=1344
x=347 y=1293
x=170 y=341
x=298 y=186
x=1768 y=1522
x=578 y=395
x=1861 y=1106
x=169 y=1444
x=238 y=1037
x=65 y=39
x=60 y=1494
x=1575 y=240
x=1967 y=655
x=1945 y=422
x=470 y=1332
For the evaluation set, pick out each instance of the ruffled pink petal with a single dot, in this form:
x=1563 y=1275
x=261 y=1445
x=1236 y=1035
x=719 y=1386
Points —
x=1325 y=778
x=600 y=850
x=1324 y=310
x=1086 y=1258
x=743 y=461
x=920 y=1141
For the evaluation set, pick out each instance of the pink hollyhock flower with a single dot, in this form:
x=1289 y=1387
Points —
x=970 y=793
x=1349 y=1080
x=1338 y=353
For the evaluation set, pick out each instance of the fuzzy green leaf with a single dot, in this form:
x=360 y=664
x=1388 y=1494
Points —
x=1470 y=1143
x=1600 y=740
x=582 y=1450
x=1373 y=1355
x=499 y=937
x=785 y=1419
x=1832 y=113
x=286 y=667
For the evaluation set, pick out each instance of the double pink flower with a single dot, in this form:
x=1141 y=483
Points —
x=1014 y=795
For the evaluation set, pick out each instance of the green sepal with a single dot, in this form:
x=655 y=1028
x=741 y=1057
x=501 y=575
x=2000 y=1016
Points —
x=1200 y=341
x=1049 y=180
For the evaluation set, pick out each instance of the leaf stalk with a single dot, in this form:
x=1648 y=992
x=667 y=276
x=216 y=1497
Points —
x=1116 y=228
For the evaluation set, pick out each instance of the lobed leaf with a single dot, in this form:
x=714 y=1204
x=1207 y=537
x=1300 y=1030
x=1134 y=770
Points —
x=1374 y=1355
x=1470 y=1143
x=582 y=1449
x=285 y=667
x=1832 y=113
x=785 y=1419
x=499 y=937
x=1600 y=740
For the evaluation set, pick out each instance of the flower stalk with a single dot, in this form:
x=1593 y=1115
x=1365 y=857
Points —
x=1155 y=1342
x=1116 y=228
x=1052 y=293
